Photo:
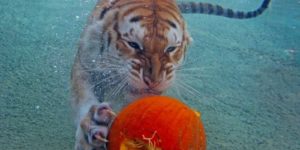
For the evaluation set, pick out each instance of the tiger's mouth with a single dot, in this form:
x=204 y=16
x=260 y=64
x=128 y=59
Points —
x=144 y=92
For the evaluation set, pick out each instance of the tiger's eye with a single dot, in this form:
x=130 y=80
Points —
x=170 y=49
x=134 y=45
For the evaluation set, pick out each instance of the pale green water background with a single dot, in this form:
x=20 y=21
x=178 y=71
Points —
x=248 y=85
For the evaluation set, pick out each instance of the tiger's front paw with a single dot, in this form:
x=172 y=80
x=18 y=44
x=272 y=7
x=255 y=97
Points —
x=96 y=124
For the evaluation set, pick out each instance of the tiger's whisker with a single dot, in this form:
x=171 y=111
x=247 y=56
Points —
x=123 y=84
x=184 y=89
x=178 y=92
x=188 y=75
x=118 y=88
x=101 y=63
x=105 y=79
x=185 y=63
x=110 y=64
x=98 y=69
x=189 y=87
x=110 y=61
x=112 y=58
x=193 y=68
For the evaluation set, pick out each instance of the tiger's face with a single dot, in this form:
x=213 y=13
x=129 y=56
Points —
x=154 y=43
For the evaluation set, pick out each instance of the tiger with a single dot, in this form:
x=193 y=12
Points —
x=127 y=50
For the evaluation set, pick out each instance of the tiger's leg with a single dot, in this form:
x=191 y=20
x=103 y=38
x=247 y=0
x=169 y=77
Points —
x=92 y=118
x=93 y=128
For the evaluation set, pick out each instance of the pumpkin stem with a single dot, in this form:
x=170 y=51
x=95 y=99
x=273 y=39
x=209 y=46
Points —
x=198 y=114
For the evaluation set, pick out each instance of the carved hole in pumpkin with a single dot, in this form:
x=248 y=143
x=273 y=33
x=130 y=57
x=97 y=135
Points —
x=129 y=144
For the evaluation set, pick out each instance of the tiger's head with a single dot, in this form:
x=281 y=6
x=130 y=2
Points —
x=154 y=40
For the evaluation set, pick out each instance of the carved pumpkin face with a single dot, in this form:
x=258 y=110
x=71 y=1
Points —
x=157 y=123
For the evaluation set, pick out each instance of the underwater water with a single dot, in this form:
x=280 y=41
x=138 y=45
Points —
x=243 y=75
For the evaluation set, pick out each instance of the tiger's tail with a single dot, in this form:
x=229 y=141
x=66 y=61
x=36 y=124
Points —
x=207 y=8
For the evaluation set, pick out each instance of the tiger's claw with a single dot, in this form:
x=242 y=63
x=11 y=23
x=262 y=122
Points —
x=96 y=124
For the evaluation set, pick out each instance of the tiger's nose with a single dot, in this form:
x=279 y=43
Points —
x=150 y=83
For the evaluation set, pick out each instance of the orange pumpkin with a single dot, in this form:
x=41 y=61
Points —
x=157 y=123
